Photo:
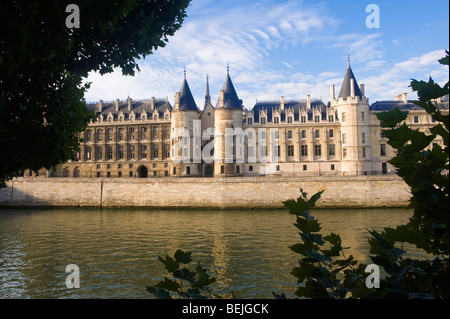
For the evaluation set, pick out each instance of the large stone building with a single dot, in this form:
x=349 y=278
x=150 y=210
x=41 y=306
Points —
x=152 y=138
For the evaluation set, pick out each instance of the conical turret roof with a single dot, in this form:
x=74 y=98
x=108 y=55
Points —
x=187 y=102
x=231 y=99
x=346 y=84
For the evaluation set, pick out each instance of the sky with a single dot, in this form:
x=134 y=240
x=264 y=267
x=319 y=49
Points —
x=291 y=48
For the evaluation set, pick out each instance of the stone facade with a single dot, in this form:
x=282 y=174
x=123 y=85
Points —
x=150 y=138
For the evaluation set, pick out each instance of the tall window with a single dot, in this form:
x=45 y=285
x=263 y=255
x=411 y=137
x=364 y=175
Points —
x=120 y=152
x=344 y=117
x=331 y=150
x=98 y=153
x=290 y=150
x=289 y=134
x=317 y=118
x=87 y=152
x=276 y=120
x=304 y=150
x=109 y=153
x=289 y=119
x=110 y=134
x=344 y=153
x=303 y=119
x=318 y=150
x=99 y=135
x=143 y=133
x=132 y=152
x=143 y=151
x=330 y=118
x=331 y=133
x=317 y=133
x=166 y=151
x=155 y=151
x=249 y=121
x=363 y=116
x=263 y=120
x=263 y=150
x=383 y=149
x=303 y=133
x=363 y=137
x=344 y=138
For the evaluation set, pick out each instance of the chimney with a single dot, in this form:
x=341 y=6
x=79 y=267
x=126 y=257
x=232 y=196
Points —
x=405 y=97
x=439 y=100
x=222 y=98
x=308 y=101
x=282 y=103
x=361 y=88
x=129 y=104
x=177 y=101
x=152 y=103
x=100 y=105
x=352 y=87
x=117 y=105
x=332 y=94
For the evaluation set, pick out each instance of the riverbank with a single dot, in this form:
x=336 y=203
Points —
x=228 y=192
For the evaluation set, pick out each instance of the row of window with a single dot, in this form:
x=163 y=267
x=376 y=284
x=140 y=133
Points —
x=121 y=152
x=289 y=119
x=155 y=117
x=143 y=135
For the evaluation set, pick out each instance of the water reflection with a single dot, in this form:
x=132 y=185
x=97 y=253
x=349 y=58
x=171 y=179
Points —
x=117 y=250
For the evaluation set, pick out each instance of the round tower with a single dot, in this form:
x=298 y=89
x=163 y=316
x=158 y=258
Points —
x=228 y=125
x=353 y=113
x=186 y=134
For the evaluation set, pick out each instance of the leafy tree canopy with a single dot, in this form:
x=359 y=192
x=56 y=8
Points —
x=43 y=63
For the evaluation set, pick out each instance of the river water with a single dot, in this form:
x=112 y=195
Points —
x=116 y=250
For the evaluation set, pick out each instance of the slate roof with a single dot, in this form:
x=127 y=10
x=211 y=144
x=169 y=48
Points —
x=138 y=107
x=187 y=102
x=381 y=106
x=346 y=88
x=231 y=99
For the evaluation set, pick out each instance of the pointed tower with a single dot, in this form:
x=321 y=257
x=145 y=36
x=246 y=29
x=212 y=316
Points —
x=228 y=118
x=186 y=150
x=207 y=118
x=353 y=113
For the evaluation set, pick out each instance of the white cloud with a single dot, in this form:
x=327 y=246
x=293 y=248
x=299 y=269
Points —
x=250 y=39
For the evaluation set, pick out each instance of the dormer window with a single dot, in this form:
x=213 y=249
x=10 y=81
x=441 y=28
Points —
x=143 y=118
x=262 y=120
x=289 y=119
x=155 y=117
x=249 y=121
x=276 y=120
x=317 y=118
x=330 y=118
x=131 y=118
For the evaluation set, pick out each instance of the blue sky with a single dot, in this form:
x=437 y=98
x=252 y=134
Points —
x=291 y=48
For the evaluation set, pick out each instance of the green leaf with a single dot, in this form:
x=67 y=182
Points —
x=170 y=264
x=428 y=90
x=182 y=257
x=185 y=274
x=203 y=278
x=391 y=119
x=313 y=289
x=168 y=285
x=159 y=292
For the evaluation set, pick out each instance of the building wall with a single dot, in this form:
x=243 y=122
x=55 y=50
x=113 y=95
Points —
x=237 y=192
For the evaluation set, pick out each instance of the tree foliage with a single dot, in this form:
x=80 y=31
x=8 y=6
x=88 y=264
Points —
x=185 y=283
x=43 y=63
x=327 y=273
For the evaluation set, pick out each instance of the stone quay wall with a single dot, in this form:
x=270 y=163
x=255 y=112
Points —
x=227 y=192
